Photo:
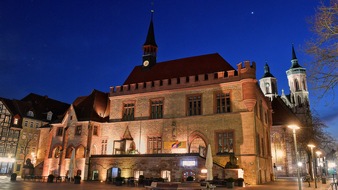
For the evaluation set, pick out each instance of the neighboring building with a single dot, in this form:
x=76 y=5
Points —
x=78 y=130
x=9 y=135
x=287 y=109
x=160 y=121
x=20 y=129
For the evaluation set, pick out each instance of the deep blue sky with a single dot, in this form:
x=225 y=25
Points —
x=67 y=48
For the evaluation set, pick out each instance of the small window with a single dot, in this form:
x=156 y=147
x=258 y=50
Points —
x=31 y=125
x=95 y=131
x=222 y=103
x=49 y=116
x=78 y=130
x=26 y=123
x=59 y=131
x=225 y=142
x=16 y=121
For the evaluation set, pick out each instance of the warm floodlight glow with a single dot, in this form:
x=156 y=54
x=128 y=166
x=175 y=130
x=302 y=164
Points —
x=204 y=171
x=331 y=164
x=293 y=127
x=300 y=164
x=318 y=153
x=311 y=146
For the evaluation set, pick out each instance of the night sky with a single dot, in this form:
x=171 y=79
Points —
x=67 y=48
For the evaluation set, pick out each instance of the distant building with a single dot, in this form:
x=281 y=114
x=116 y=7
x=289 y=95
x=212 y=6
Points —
x=287 y=109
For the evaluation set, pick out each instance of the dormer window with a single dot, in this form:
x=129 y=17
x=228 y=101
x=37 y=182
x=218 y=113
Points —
x=49 y=116
x=30 y=113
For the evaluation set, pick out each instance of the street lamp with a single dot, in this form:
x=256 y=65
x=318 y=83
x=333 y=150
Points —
x=314 y=172
x=294 y=128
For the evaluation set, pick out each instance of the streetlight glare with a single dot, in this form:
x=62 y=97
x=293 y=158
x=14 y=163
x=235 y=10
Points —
x=294 y=127
x=311 y=145
x=318 y=153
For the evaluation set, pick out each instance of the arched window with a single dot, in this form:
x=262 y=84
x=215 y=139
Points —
x=69 y=152
x=296 y=85
x=57 y=152
x=304 y=84
x=80 y=152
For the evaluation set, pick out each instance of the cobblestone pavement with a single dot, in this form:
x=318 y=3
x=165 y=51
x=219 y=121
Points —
x=280 y=184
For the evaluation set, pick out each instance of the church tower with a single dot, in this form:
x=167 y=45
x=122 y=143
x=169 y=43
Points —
x=268 y=83
x=299 y=94
x=150 y=46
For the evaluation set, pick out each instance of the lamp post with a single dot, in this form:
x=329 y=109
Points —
x=294 y=128
x=314 y=173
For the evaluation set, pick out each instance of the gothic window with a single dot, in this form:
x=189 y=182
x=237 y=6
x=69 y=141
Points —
x=296 y=85
x=225 y=142
x=128 y=112
x=156 y=109
x=78 y=130
x=222 y=102
x=194 y=105
x=154 y=145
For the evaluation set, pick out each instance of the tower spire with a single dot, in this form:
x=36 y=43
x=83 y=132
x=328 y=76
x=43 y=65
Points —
x=294 y=60
x=150 y=46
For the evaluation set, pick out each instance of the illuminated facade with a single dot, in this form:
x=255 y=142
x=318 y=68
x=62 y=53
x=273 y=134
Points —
x=159 y=122
x=9 y=136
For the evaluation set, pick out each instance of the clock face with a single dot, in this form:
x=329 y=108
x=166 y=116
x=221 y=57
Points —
x=267 y=84
x=146 y=63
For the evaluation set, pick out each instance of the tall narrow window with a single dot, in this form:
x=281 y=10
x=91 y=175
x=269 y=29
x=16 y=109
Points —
x=156 y=109
x=222 y=103
x=59 y=131
x=154 y=145
x=225 y=142
x=194 y=105
x=128 y=112
x=296 y=85
x=95 y=131
x=104 y=147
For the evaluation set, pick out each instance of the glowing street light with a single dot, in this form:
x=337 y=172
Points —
x=320 y=164
x=314 y=173
x=294 y=128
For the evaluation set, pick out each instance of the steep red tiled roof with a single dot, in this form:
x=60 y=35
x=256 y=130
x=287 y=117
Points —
x=190 y=66
x=94 y=107
x=282 y=114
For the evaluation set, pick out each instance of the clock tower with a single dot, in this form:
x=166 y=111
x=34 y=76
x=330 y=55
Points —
x=149 y=47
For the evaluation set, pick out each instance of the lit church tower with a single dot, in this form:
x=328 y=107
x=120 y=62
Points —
x=149 y=46
x=299 y=94
x=268 y=83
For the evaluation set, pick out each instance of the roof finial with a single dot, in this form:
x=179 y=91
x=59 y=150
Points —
x=293 y=53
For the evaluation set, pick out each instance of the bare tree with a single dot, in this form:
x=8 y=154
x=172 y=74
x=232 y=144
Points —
x=324 y=47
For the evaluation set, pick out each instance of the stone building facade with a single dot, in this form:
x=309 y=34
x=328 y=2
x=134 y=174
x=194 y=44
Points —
x=160 y=121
